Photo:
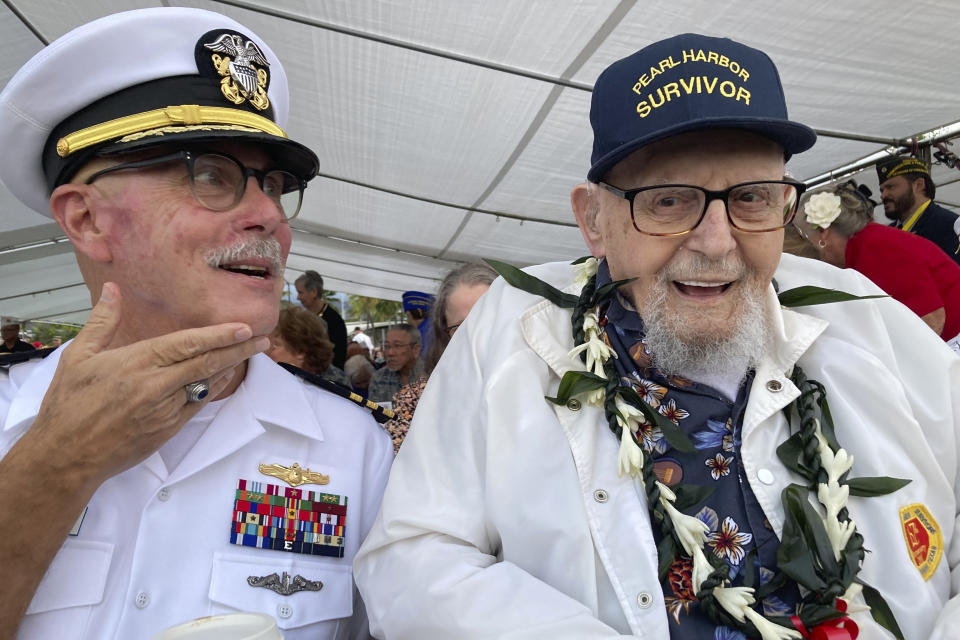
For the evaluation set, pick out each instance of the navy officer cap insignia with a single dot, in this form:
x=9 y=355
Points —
x=197 y=78
x=687 y=83
x=239 y=62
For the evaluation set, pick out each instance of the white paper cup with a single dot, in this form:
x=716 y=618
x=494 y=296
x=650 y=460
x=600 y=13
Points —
x=232 y=626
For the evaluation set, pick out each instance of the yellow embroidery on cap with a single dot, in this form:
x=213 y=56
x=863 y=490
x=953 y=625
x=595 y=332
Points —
x=923 y=537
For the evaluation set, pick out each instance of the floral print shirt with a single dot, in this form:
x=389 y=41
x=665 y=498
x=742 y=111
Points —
x=386 y=382
x=739 y=532
x=404 y=404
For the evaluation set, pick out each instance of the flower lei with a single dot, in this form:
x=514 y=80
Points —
x=823 y=554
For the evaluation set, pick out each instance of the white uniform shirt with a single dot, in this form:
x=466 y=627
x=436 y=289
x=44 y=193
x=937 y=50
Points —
x=154 y=547
x=520 y=526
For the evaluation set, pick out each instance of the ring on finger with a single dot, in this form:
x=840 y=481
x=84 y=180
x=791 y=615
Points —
x=197 y=391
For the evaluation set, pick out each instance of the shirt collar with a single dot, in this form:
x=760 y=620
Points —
x=26 y=403
x=276 y=397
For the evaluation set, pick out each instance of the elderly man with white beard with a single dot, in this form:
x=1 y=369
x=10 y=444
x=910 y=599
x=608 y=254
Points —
x=651 y=442
x=159 y=468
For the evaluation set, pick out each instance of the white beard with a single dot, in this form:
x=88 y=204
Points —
x=705 y=358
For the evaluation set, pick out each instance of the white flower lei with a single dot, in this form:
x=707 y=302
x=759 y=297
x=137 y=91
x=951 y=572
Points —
x=691 y=531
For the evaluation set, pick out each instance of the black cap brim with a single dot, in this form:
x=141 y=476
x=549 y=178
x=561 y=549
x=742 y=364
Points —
x=290 y=155
x=792 y=136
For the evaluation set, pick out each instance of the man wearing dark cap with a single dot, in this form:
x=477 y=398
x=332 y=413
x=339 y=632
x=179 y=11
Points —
x=907 y=191
x=634 y=445
x=160 y=468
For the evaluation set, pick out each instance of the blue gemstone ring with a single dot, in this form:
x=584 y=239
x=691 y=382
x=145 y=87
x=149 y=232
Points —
x=197 y=391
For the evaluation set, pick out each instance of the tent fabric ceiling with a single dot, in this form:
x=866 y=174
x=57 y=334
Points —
x=450 y=130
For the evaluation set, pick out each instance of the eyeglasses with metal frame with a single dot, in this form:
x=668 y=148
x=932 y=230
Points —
x=218 y=180
x=677 y=209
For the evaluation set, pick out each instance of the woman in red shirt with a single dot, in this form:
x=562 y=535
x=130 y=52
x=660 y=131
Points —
x=913 y=270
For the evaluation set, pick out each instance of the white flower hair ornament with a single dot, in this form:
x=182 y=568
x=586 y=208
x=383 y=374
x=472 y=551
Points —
x=822 y=209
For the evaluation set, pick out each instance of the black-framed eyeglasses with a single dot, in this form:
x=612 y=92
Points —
x=676 y=209
x=218 y=181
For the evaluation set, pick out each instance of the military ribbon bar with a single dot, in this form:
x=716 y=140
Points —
x=267 y=516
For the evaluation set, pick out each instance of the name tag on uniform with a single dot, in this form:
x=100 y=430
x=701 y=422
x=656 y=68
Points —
x=76 y=527
x=267 y=516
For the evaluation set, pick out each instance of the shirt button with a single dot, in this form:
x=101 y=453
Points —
x=600 y=496
x=774 y=385
x=142 y=600
x=765 y=476
x=644 y=600
x=163 y=495
x=284 y=611
x=573 y=404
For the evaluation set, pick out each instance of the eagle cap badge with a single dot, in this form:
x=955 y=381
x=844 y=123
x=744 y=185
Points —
x=238 y=63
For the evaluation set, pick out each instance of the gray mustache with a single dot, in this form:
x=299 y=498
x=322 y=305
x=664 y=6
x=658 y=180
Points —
x=696 y=266
x=262 y=248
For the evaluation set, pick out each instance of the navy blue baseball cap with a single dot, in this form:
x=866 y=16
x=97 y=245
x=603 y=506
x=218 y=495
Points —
x=685 y=83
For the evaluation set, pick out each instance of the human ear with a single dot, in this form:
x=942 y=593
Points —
x=71 y=205
x=919 y=187
x=585 y=201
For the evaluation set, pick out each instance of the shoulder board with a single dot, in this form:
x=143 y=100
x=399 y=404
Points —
x=9 y=359
x=380 y=414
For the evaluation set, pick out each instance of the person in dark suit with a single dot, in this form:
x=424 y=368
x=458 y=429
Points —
x=11 y=339
x=908 y=191
x=310 y=294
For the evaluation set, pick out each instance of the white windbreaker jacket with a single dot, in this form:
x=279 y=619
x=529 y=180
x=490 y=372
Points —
x=504 y=516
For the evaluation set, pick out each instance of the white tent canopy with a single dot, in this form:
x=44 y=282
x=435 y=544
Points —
x=451 y=130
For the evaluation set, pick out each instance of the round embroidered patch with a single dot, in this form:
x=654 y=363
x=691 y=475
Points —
x=923 y=537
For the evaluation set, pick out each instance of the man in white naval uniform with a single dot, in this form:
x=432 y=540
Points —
x=159 y=468
x=510 y=516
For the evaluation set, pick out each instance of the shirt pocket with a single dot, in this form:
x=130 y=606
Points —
x=73 y=585
x=230 y=591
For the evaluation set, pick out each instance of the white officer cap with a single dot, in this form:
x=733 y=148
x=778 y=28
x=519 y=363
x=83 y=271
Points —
x=139 y=79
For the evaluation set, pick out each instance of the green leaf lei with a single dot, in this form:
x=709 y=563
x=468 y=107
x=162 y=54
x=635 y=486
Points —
x=822 y=555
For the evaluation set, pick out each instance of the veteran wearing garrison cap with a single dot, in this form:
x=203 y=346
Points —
x=160 y=468
x=632 y=445
x=908 y=191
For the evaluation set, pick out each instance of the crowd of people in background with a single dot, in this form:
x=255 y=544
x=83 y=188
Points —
x=397 y=379
x=608 y=391
x=916 y=259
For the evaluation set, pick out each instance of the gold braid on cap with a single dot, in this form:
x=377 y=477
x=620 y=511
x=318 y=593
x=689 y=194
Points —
x=184 y=114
